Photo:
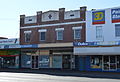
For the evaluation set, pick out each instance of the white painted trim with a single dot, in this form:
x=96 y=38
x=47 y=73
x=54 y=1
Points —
x=42 y=30
x=57 y=29
x=29 y=31
x=80 y=27
x=46 y=25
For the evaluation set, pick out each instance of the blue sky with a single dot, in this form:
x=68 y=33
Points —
x=10 y=10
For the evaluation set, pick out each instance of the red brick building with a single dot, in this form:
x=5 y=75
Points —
x=53 y=34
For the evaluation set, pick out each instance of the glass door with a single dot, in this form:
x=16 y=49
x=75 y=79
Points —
x=1 y=62
x=113 y=63
x=34 y=62
x=109 y=63
x=106 y=63
x=66 y=62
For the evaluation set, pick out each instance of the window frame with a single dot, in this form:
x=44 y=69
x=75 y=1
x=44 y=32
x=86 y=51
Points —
x=40 y=31
x=99 y=32
x=116 y=35
x=40 y=36
x=26 y=34
x=57 y=35
x=74 y=31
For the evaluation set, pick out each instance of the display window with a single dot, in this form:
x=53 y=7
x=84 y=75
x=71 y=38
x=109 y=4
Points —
x=118 y=62
x=96 y=61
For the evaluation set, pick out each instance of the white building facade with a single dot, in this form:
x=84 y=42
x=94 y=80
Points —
x=100 y=52
x=103 y=25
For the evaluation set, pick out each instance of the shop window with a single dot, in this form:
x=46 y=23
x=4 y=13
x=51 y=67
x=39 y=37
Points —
x=96 y=61
x=99 y=32
x=117 y=30
x=59 y=32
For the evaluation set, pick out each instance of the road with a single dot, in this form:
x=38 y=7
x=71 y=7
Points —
x=34 y=77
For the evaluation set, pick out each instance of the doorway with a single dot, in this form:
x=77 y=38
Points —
x=66 y=61
x=109 y=63
x=34 y=62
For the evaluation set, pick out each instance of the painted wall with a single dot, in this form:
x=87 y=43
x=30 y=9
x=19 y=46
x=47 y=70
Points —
x=50 y=16
x=72 y=14
x=30 y=19
x=97 y=50
x=108 y=27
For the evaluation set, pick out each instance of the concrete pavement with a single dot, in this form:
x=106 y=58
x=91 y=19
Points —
x=108 y=75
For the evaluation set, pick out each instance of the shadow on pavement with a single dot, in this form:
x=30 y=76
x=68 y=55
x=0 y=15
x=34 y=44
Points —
x=74 y=73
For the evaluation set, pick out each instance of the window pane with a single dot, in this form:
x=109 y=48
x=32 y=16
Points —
x=117 y=30
x=60 y=35
x=42 y=36
x=96 y=61
x=99 y=33
x=118 y=61
x=27 y=37
x=77 y=33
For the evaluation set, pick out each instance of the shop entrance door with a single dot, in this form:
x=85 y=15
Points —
x=66 y=62
x=34 y=62
x=109 y=63
x=1 y=62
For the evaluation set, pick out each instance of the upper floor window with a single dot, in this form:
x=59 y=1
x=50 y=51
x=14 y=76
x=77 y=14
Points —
x=27 y=36
x=77 y=32
x=42 y=34
x=99 y=32
x=59 y=32
x=117 y=30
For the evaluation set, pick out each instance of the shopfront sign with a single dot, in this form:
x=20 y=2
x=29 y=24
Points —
x=9 y=41
x=109 y=43
x=44 y=52
x=14 y=46
x=29 y=46
x=115 y=15
x=9 y=53
x=98 y=17
x=10 y=46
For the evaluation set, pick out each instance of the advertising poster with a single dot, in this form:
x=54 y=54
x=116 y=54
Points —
x=115 y=15
x=98 y=17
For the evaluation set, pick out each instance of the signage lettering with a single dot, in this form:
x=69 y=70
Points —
x=98 y=17
x=115 y=15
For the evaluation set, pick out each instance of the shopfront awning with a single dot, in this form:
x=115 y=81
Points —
x=97 y=50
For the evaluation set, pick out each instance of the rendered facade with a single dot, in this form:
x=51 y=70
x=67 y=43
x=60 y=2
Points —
x=101 y=51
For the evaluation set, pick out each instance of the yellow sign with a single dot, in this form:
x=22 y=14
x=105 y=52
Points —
x=98 y=15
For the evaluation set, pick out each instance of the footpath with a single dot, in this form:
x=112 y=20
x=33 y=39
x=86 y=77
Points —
x=73 y=73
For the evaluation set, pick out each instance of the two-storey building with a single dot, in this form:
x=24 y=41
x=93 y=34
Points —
x=50 y=36
x=102 y=46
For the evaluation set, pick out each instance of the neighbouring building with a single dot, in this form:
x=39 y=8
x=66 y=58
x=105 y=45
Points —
x=9 y=53
x=47 y=38
x=101 y=51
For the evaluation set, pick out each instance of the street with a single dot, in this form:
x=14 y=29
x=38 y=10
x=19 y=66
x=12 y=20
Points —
x=37 y=77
